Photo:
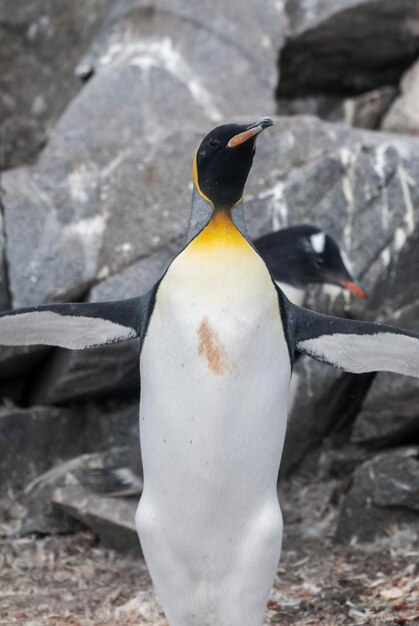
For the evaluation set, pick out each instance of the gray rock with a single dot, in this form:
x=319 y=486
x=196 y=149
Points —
x=84 y=374
x=390 y=411
x=41 y=42
x=100 y=192
x=358 y=186
x=325 y=401
x=34 y=512
x=330 y=46
x=110 y=425
x=4 y=284
x=403 y=116
x=355 y=184
x=111 y=520
x=32 y=441
x=37 y=514
x=384 y=491
x=366 y=110
x=93 y=218
x=248 y=36
x=16 y=361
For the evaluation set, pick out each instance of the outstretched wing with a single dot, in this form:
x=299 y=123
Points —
x=75 y=326
x=352 y=345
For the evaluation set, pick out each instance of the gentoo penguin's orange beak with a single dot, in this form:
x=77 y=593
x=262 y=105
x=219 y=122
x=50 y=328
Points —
x=252 y=130
x=353 y=287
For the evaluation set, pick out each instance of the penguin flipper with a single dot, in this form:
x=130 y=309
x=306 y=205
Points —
x=75 y=326
x=354 y=346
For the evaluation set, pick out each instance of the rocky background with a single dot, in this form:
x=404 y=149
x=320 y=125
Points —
x=102 y=105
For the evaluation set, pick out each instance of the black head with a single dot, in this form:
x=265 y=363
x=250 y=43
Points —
x=223 y=161
x=304 y=254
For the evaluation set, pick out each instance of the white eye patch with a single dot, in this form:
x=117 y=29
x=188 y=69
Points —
x=318 y=242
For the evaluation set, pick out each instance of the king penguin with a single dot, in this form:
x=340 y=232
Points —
x=217 y=343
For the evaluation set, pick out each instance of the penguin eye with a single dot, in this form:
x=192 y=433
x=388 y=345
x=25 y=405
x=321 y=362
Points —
x=214 y=143
x=318 y=261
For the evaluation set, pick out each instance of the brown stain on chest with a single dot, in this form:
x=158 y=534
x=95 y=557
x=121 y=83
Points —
x=210 y=347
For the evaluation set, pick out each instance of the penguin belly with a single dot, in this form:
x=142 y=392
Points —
x=215 y=373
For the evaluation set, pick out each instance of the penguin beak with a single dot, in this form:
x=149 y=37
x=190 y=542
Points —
x=353 y=287
x=251 y=131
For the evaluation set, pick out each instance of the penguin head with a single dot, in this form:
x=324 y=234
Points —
x=304 y=254
x=321 y=260
x=223 y=161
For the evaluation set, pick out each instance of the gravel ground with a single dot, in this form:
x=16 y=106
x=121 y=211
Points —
x=70 y=580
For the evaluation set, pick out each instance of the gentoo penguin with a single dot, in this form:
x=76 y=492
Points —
x=217 y=346
x=304 y=254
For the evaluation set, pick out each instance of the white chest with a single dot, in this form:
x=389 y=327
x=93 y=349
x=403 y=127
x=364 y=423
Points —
x=215 y=374
x=215 y=366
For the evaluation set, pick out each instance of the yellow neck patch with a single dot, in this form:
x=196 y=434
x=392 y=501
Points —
x=220 y=231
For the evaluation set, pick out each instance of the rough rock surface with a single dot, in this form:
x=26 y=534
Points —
x=41 y=42
x=403 y=116
x=86 y=374
x=15 y=361
x=111 y=520
x=325 y=401
x=365 y=110
x=31 y=441
x=357 y=185
x=4 y=286
x=97 y=212
x=103 y=200
x=390 y=412
x=384 y=491
x=35 y=512
x=329 y=48
x=83 y=374
x=360 y=187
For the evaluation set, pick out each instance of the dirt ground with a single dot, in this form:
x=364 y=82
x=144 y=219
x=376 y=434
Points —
x=70 y=580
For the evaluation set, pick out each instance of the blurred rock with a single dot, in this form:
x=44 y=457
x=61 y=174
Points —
x=37 y=514
x=41 y=42
x=249 y=38
x=340 y=462
x=111 y=520
x=356 y=185
x=32 y=441
x=403 y=117
x=111 y=424
x=326 y=400
x=364 y=111
x=95 y=215
x=384 y=491
x=390 y=412
x=84 y=374
x=359 y=187
x=331 y=47
x=100 y=190
x=15 y=361
x=4 y=286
